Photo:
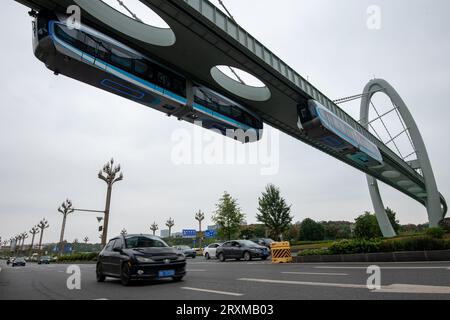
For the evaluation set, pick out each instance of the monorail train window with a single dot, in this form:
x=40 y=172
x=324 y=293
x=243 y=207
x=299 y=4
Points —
x=72 y=37
x=91 y=45
x=120 y=58
x=163 y=80
x=140 y=66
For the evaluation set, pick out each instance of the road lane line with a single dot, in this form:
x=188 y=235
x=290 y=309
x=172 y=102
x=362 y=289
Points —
x=317 y=273
x=412 y=288
x=386 y=268
x=213 y=291
x=195 y=270
x=304 y=283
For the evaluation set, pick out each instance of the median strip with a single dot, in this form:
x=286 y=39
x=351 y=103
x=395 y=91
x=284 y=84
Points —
x=213 y=291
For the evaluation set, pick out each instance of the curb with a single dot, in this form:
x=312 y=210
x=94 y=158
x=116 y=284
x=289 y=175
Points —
x=402 y=256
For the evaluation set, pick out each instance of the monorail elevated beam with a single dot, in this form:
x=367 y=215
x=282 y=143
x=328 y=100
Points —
x=201 y=38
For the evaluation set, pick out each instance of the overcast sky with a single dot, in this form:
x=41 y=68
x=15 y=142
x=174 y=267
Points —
x=56 y=133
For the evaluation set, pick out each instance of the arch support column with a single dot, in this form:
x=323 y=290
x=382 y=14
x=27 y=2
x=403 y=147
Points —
x=433 y=200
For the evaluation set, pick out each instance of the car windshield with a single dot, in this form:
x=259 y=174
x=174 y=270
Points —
x=20 y=259
x=247 y=243
x=144 y=242
x=45 y=257
x=184 y=247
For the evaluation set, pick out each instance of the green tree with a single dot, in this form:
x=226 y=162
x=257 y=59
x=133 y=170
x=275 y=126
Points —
x=228 y=216
x=393 y=219
x=337 y=230
x=274 y=212
x=311 y=230
x=366 y=227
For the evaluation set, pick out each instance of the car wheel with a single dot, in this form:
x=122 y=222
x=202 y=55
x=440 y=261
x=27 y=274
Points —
x=207 y=257
x=177 y=278
x=221 y=257
x=247 y=256
x=264 y=258
x=125 y=275
x=99 y=272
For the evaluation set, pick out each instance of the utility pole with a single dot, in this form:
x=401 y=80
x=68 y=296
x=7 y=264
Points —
x=65 y=209
x=200 y=216
x=170 y=223
x=43 y=224
x=110 y=175
x=154 y=227
x=33 y=232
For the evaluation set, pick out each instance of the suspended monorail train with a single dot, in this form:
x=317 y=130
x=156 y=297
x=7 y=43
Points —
x=94 y=58
x=320 y=124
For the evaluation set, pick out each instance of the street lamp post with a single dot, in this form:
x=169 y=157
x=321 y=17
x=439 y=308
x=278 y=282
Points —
x=65 y=209
x=200 y=216
x=86 y=240
x=33 y=232
x=154 y=227
x=110 y=175
x=43 y=224
x=170 y=223
x=17 y=238
x=24 y=236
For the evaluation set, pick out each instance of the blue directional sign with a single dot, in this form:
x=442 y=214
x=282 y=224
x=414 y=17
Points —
x=210 y=234
x=68 y=248
x=189 y=233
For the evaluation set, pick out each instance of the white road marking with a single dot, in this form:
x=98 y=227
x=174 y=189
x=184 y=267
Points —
x=317 y=273
x=412 y=288
x=393 y=288
x=195 y=270
x=387 y=268
x=101 y=299
x=304 y=283
x=214 y=291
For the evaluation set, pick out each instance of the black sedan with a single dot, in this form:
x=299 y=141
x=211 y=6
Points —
x=242 y=249
x=19 y=262
x=140 y=257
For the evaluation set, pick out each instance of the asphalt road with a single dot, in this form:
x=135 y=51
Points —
x=211 y=280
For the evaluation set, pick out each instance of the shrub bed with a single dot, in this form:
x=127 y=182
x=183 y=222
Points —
x=90 y=256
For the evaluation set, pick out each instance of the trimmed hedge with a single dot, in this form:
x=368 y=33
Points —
x=382 y=246
x=91 y=256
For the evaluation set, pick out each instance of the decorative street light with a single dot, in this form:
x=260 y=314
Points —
x=24 y=236
x=17 y=238
x=43 y=224
x=200 y=216
x=170 y=223
x=124 y=232
x=86 y=240
x=65 y=209
x=110 y=175
x=33 y=232
x=154 y=227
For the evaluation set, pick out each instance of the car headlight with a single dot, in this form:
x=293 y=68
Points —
x=144 y=260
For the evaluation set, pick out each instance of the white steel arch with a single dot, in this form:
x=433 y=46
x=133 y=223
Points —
x=433 y=204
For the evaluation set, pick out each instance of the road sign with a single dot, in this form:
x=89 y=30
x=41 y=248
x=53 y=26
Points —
x=210 y=234
x=189 y=233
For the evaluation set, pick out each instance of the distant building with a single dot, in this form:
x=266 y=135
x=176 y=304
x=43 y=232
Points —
x=165 y=233
x=177 y=235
